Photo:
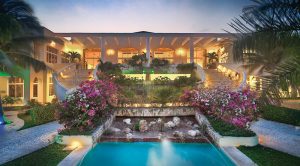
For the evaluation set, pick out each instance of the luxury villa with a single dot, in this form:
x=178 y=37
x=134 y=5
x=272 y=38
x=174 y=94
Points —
x=177 y=48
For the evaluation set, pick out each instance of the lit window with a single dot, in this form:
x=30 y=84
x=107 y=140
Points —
x=35 y=87
x=51 y=55
x=51 y=89
x=15 y=87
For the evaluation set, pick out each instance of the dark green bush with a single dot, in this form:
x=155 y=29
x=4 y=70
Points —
x=164 y=95
x=124 y=81
x=162 y=80
x=183 y=81
x=187 y=68
x=159 y=62
x=43 y=114
x=137 y=60
x=226 y=129
x=281 y=114
x=110 y=68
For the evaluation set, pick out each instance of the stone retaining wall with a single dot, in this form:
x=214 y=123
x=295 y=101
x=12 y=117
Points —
x=224 y=140
x=156 y=112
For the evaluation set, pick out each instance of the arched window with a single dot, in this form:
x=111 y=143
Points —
x=35 y=87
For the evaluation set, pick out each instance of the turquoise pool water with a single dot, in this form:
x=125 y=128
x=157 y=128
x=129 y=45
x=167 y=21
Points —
x=155 y=154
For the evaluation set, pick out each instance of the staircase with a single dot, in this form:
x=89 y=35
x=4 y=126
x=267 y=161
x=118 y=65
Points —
x=68 y=78
x=217 y=79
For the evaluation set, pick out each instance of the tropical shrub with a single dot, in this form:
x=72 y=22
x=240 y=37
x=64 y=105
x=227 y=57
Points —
x=187 y=68
x=183 y=81
x=8 y=100
x=87 y=105
x=41 y=114
x=137 y=60
x=109 y=68
x=126 y=81
x=156 y=62
x=164 y=95
x=235 y=107
x=162 y=80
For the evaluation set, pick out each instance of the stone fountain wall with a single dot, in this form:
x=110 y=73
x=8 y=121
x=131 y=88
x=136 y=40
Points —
x=156 y=112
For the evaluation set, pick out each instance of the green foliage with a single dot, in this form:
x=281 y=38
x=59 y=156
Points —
x=125 y=81
x=268 y=157
x=137 y=126
x=183 y=81
x=162 y=80
x=33 y=103
x=7 y=100
x=281 y=114
x=43 y=114
x=137 y=60
x=164 y=95
x=187 y=68
x=269 y=31
x=48 y=156
x=227 y=129
x=73 y=56
x=156 y=62
x=212 y=60
x=109 y=68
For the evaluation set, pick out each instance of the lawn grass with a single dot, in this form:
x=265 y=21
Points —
x=226 y=129
x=28 y=122
x=48 y=156
x=281 y=114
x=264 y=156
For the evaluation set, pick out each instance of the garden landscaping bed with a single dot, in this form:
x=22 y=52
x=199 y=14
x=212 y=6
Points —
x=86 y=137
x=48 y=156
x=264 y=156
x=281 y=114
x=232 y=138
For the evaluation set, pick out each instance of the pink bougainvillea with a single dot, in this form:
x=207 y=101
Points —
x=86 y=105
x=236 y=107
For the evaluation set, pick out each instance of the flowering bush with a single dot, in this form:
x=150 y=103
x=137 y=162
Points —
x=86 y=105
x=236 y=107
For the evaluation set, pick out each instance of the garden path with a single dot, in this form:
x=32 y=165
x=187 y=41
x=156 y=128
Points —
x=278 y=136
x=19 y=143
x=215 y=79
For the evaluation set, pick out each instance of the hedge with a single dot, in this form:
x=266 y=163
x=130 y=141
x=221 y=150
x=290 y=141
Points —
x=281 y=114
x=43 y=114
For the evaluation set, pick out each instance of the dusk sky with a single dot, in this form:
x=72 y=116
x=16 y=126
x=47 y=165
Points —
x=137 y=15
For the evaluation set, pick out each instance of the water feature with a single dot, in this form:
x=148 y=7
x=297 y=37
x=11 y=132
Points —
x=165 y=153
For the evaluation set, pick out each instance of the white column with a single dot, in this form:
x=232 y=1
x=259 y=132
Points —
x=148 y=51
x=103 y=50
x=191 y=50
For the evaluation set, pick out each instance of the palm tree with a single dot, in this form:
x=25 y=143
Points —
x=18 y=26
x=73 y=56
x=268 y=40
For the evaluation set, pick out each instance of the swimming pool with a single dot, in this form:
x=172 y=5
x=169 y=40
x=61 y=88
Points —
x=155 y=154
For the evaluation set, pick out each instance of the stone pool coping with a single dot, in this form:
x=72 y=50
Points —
x=225 y=140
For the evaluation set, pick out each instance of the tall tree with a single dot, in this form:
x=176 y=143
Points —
x=18 y=27
x=268 y=42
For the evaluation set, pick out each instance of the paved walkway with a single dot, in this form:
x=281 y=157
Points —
x=278 y=136
x=19 y=143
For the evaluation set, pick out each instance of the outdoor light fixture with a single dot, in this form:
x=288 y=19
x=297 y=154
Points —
x=52 y=44
x=110 y=52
